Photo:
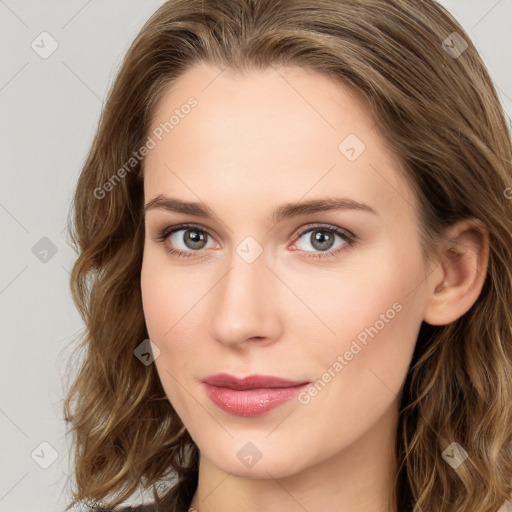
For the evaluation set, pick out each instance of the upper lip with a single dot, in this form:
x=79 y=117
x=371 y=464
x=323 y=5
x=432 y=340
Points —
x=225 y=380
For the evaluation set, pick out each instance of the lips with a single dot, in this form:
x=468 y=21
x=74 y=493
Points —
x=252 y=395
x=225 y=380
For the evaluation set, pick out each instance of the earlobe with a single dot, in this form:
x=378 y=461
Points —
x=462 y=267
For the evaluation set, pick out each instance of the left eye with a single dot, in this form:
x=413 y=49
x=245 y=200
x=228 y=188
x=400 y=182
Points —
x=323 y=238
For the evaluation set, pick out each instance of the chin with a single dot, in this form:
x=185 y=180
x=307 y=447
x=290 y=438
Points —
x=253 y=456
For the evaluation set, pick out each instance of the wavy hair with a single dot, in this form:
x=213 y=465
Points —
x=441 y=116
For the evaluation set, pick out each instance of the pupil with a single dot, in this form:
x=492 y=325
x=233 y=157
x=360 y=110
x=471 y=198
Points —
x=195 y=238
x=319 y=239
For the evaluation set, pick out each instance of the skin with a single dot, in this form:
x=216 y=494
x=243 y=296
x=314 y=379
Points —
x=254 y=142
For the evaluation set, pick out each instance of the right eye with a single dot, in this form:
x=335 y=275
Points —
x=188 y=238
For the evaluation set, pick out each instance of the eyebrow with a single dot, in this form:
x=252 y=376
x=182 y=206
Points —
x=285 y=211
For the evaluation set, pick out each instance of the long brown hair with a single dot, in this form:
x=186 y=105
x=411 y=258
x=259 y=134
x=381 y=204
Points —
x=435 y=104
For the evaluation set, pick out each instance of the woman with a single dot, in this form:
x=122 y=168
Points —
x=294 y=267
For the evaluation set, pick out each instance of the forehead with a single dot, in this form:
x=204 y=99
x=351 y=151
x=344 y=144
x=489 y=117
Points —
x=267 y=132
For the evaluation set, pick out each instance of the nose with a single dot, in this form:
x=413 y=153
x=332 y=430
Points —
x=245 y=305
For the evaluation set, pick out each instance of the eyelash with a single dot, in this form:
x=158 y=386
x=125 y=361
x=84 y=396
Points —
x=348 y=237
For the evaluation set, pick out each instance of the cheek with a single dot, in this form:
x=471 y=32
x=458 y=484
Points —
x=164 y=313
x=370 y=330
x=170 y=301
x=155 y=305
x=374 y=316
x=164 y=294
x=359 y=371
x=375 y=289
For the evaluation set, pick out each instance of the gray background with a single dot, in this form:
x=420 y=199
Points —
x=50 y=108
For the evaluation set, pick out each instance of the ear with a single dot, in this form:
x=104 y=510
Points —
x=455 y=284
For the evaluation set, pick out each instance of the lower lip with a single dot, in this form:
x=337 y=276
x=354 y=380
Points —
x=251 y=402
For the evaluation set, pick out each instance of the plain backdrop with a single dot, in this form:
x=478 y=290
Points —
x=49 y=112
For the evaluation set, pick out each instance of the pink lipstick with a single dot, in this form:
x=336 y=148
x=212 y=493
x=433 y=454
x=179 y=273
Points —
x=252 y=395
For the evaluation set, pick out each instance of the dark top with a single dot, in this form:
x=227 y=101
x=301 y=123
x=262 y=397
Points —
x=177 y=499
x=148 y=507
x=141 y=508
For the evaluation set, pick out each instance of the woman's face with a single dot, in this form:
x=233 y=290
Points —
x=260 y=288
